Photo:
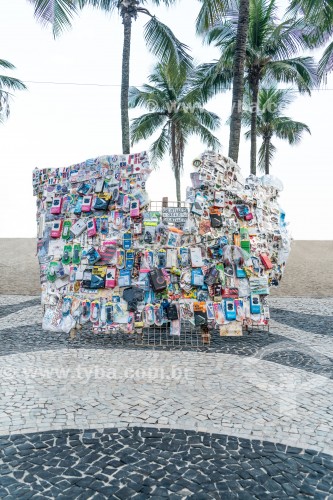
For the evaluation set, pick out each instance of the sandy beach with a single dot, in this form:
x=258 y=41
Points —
x=308 y=273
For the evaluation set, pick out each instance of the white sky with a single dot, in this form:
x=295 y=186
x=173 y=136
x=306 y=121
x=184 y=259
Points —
x=58 y=125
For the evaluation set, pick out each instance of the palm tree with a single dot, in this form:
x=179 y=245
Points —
x=271 y=122
x=210 y=15
x=176 y=111
x=271 y=56
x=7 y=83
x=159 y=38
x=318 y=15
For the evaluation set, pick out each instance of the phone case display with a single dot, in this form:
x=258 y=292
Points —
x=244 y=243
x=107 y=259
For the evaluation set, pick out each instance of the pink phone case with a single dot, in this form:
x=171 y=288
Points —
x=110 y=280
x=86 y=204
x=57 y=205
x=56 y=229
x=91 y=226
x=135 y=209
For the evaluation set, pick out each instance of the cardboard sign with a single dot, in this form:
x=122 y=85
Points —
x=175 y=215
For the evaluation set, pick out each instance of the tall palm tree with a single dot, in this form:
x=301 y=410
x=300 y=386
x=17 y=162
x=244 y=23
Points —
x=176 y=110
x=271 y=56
x=271 y=122
x=7 y=83
x=159 y=38
x=212 y=13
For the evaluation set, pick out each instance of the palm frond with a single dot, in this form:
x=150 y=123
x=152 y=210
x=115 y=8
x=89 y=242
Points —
x=287 y=38
x=149 y=97
x=207 y=118
x=160 y=147
x=11 y=83
x=262 y=15
x=106 y=5
x=145 y=126
x=222 y=35
x=6 y=64
x=290 y=130
x=191 y=125
x=325 y=65
x=300 y=71
x=210 y=14
x=212 y=78
x=206 y=136
x=262 y=154
x=58 y=13
x=316 y=12
x=164 y=45
x=168 y=3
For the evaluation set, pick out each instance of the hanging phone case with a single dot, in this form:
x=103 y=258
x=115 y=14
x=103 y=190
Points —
x=157 y=280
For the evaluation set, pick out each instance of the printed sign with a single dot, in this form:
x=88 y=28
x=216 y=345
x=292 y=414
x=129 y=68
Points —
x=175 y=215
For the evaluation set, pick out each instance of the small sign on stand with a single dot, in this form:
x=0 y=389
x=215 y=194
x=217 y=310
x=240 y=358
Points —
x=175 y=215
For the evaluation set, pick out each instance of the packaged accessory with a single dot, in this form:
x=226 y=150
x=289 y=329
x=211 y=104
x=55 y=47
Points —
x=196 y=257
x=197 y=278
x=94 y=311
x=198 y=206
x=127 y=241
x=135 y=209
x=99 y=185
x=255 y=304
x=66 y=233
x=120 y=258
x=161 y=258
x=215 y=218
x=78 y=228
x=76 y=253
x=157 y=280
x=130 y=255
x=230 y=309
x=172 y=312
x=101 y=202
x=98 y=277
x=124 y=278
x=86 y=203
x=266 y=261
x=78 y=206
x=109 y=313
x=92 y=255
x=91 y=228
x=67 y=255
x=219 y=199
x=110 y=279
x=172 y=258
x=56 y=229
x=183 y=257
x=200 y=313
x=56 y=205
x=230 y=293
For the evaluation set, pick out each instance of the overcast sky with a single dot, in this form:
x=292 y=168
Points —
x=58 y=125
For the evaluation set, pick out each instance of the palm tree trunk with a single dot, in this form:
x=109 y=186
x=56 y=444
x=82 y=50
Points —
x=238 y=79
x=254 y=113
x=267 y=165
x=127 y=22
x=175 y=165
x=178 y=188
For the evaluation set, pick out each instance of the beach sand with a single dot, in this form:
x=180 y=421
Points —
x=308 y=272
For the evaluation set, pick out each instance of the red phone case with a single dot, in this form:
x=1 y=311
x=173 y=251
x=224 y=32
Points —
x=230 y=293
x=266 y=261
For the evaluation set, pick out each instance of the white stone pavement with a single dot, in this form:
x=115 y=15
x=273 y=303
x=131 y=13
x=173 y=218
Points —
x=215 y=392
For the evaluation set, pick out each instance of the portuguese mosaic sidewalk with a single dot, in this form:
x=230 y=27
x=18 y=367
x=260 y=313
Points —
x=244 y=418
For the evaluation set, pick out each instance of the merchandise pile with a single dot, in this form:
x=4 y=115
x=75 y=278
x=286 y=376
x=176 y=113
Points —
x=107 y=258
